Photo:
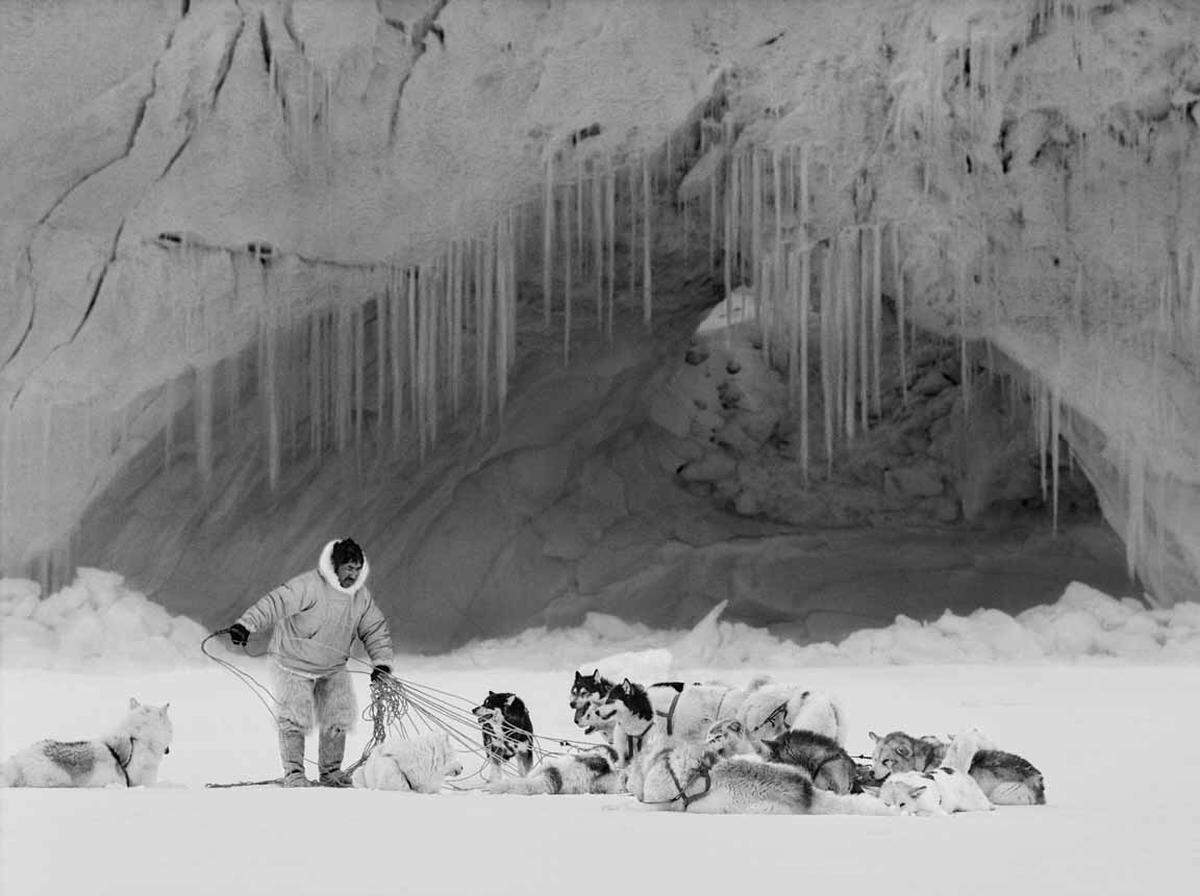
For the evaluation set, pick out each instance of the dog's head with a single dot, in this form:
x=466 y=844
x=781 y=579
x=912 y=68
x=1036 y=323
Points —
x=587 y=689
x=728 y=738
x=625 y=700
x=150 y=726
x=912 y=793
x=894 y=752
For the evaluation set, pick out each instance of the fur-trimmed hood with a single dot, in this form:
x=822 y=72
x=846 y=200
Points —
x=325 y=568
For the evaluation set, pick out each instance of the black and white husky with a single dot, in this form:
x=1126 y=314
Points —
x=592 y=771
x=587 y=693
x=507 y=732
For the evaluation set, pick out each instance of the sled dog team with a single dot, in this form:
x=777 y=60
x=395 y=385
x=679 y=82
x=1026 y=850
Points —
x=766 y=748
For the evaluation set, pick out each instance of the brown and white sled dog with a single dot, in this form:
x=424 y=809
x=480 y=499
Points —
x=129 y=756
x=712 y=777
x=939 y=792
x=1005 y=778
x=772 y=709
x=419 y=764
x=592 y=771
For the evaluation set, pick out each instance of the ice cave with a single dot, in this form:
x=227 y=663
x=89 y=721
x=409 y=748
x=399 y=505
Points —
x=453 y=277
x=789 y=327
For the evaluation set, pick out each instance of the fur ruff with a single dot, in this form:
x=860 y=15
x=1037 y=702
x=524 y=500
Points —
x=129 y=756
x=419 y=764
x=327 y=703
x=325 y=568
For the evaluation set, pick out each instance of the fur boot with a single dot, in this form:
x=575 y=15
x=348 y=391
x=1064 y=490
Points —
x=291 y=756
x=331 y=748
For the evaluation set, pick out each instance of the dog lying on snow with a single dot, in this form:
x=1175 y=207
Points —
x=129 y=756
x=419 y=764
x=939 y=792
x=591 y=771
x=507 y=732
x=1005 y=778
x=715 y=777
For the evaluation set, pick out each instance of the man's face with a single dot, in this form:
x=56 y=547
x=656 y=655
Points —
x=347 y=573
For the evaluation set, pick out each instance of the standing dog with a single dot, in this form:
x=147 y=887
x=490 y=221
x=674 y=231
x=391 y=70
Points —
x=129 y=756
x=1005 y=778
x=419 y=764
x=507 y=732
x=587 y=693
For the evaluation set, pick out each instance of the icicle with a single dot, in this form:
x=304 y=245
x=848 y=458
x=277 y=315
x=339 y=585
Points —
x=792 y=296
x=359 y=366
x=414 y=353
x=728 y=282
x=598 y=246
x=712 y=220
x=805 y=273
x=1078 y=300
x=270 y=406
x=499 y=252
x=964 y=360
x=827 y=351
x=735 y=222
x=686 y=242
x=204 y=422
x=483 y=329
x=849 y=300
x=632 y=232
x=756 y=243
x=1194 y=300
x=647 y=306
x=610 y=208
x=396 y=355
x=548 y=240
x=1055 y=432
x=864 y=316
x=567 y=279
x=877 y=314
x=579 y=241
x=314 y=384
x=777 y=187
x=898 y=286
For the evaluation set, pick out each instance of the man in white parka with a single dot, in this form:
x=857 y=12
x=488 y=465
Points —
x=317 y=616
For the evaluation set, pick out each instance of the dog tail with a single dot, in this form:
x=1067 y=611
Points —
x=826 y=803
x=10 y=775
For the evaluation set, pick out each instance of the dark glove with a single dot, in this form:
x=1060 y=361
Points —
x=379 y=671
x=239 y=634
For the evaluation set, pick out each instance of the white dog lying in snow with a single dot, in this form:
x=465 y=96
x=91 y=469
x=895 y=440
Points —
x=419 y=764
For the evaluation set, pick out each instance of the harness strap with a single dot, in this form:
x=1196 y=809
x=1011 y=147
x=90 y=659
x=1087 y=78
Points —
x=669 y=715
x=635 y=740
x=681 y=788
x=123 y=766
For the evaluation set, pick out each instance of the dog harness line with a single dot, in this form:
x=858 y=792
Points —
x=123 y=766
x=669 y=715
x=682 y=795
x=781 y=709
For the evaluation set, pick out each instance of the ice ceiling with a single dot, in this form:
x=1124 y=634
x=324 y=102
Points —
x=278 y=268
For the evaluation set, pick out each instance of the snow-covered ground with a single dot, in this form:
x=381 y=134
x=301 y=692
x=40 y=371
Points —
x=1110 y=723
